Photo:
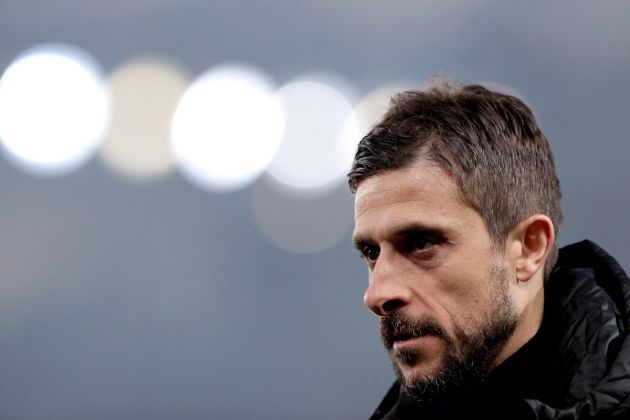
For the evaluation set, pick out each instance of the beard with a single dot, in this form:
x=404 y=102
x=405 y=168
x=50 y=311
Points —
x=459 y=371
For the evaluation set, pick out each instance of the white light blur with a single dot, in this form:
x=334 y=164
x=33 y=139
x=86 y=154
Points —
x=227 y=127
x=373 y=106
x=368 y=112
x=54 y=109
x=508 y=90
x=302 y=223
x=145 y=93
x=320 y=123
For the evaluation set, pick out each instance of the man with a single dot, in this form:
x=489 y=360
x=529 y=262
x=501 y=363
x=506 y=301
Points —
x=457 y=211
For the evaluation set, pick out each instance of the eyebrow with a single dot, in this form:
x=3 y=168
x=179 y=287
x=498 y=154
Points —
x=403 y=231
x=360 y=242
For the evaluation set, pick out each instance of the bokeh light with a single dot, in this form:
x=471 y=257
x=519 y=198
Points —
x=53 y=109
x=227 y=127
x=320 y=123
x=509 y=90
x=367 y=113
x=372 y=106
x=144 y=93
x=302 y=223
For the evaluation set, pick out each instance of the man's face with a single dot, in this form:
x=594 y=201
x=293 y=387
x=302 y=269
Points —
x=439 y=286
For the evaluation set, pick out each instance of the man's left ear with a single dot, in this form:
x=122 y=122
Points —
x=532 y=239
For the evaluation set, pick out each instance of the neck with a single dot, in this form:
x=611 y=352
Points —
x=528 y=325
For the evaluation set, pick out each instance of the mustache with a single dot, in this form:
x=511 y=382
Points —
x=399 y=327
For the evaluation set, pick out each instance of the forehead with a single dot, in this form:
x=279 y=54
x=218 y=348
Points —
x=420 y=182
x=420 y=193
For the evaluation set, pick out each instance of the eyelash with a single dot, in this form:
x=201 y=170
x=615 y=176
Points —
x=365 y=253
x=409 y=245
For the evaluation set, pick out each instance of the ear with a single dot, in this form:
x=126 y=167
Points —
x=532 y=239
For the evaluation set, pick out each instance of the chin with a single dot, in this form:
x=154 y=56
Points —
x=420 y=372
x=426 y=380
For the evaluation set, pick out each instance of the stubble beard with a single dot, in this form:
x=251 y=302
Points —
x=459 y=372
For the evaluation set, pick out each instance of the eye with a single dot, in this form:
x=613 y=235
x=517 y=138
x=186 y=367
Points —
x=370 y=253
x=420 y=244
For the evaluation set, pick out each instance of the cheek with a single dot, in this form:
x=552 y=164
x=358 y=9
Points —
x=462 y=280
x=465 y=291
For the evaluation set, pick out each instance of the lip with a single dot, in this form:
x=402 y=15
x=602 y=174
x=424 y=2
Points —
x=407 y=341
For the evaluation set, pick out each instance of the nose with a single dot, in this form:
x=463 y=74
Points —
x=387 y=292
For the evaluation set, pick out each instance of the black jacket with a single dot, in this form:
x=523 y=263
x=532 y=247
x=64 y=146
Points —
x=577 y=366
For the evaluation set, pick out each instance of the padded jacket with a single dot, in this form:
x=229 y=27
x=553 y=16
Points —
x=576 y=367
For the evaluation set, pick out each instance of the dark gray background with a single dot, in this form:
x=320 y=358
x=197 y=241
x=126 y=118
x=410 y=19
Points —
x=163 y=301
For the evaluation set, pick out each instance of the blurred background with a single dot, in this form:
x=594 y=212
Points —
x=174 y=223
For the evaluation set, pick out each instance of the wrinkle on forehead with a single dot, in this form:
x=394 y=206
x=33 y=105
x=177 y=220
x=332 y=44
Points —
x=411 y=183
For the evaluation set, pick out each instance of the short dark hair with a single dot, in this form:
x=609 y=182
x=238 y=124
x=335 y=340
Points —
x=488 y=141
